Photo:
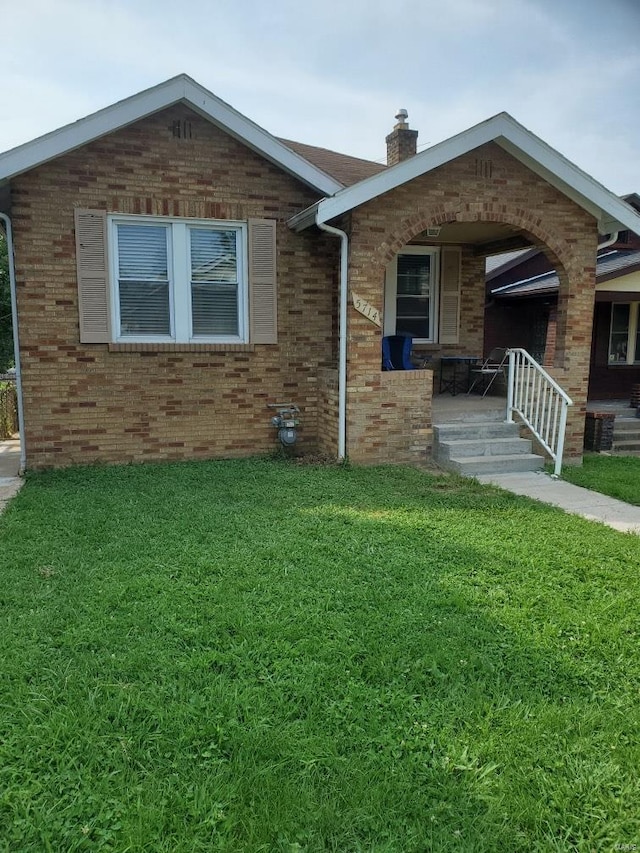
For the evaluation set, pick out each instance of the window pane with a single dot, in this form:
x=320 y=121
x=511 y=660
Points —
x=214 y=282
x=417 y=327
x=619 y=332
x=143 y=280
x=142 y=252
x=414 y=274
x=213 y=255
x=413 y=302
x=144 y=308
x=215 y=308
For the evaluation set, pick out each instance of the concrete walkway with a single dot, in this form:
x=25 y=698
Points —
x=573 y=499
x=10 y=482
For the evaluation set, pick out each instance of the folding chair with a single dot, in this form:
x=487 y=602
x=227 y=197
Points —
x=488 y=372
x=396 y=353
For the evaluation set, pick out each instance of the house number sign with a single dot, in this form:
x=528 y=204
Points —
x=367 y=310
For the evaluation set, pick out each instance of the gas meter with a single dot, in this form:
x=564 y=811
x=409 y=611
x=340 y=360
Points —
x=286 y=422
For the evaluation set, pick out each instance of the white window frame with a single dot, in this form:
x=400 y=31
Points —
x=391 y=292
x=179 y=269
x=633 y=357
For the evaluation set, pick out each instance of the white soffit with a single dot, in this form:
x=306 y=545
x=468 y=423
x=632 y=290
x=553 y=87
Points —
x=610 y=212
x=180 y=89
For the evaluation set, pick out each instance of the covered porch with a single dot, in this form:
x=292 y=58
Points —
x=493 y=188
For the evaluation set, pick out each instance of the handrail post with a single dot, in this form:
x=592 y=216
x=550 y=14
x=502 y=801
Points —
x=560 y=447
x=510 y=383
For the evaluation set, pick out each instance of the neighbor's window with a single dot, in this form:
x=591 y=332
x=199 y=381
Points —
x=624 y=336
x=411 y=293
x=178 y=280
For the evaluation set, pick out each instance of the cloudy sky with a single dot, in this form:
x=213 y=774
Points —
x=334 y=73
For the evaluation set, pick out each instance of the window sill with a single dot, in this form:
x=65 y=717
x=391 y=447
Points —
x=174 y=347
x=617 y=365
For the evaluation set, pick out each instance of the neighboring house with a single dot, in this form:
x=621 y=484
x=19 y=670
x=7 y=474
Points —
x=522 y=299
x=179 y=269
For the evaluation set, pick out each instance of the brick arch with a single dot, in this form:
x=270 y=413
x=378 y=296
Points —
x=403 y=231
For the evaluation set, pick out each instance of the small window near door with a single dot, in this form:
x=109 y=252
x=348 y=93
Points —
x=411 y=294
x=624 y=336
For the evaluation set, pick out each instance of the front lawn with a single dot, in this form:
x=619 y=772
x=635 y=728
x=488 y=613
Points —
x=616 y=476
x=259 y=656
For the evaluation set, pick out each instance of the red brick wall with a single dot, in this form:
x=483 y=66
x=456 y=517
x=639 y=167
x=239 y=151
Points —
x=85 y=403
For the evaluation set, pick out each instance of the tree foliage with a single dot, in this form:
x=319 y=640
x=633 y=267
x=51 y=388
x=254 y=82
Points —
x=6 y=335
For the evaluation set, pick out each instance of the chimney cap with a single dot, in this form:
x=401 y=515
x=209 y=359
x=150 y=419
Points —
x=402 y=115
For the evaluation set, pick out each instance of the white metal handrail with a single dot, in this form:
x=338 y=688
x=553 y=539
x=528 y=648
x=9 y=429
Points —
x=539 y=401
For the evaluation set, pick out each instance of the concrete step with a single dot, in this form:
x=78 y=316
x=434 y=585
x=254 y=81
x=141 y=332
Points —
x=627 y=425
x=483 y=448
x=626 y=434
x=629 y=445
x=470 y=466
x=465 y=448
x=461 y=431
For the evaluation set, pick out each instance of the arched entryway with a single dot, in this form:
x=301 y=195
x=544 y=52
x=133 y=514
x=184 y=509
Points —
x=459 y=237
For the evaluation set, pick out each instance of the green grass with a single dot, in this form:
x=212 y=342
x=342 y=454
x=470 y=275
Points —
x=617 y=476
x=259 y=656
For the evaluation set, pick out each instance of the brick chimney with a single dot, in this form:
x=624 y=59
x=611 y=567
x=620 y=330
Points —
x=402 y=143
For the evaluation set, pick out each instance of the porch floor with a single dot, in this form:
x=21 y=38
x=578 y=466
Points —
x=620 y=408
x=467 y=407
x=473 y=407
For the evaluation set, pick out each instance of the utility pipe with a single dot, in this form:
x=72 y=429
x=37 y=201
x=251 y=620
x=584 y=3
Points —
x=342 y=336
x=16 y=343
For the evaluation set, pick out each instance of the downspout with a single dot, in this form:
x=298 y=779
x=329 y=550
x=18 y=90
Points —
x=16 y=342
x=611 y=239
x=342 y=335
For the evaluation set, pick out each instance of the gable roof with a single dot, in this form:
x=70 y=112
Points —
x=497 y=264
x=610 y=212
x=344 y=168
x=181 y=89
x=609 y=265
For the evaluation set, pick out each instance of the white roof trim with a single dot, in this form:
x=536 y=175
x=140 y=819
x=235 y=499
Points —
x=180 y=89
x=610 y=212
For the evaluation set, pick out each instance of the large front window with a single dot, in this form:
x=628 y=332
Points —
x=411 y=293
x=178 y=280
x=624 y=336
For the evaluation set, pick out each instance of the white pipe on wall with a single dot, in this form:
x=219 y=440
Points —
x=16 y=342
x=342 y=334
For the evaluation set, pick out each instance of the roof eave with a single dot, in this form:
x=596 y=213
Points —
x=305 y=219
x=609 y=211
x=180 y=89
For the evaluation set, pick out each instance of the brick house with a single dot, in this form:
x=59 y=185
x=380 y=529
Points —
x=178 y=269
x=522 y=297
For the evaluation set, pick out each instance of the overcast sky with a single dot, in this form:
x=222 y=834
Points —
x=335 y=72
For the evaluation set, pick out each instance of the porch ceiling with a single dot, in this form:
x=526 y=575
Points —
x=487 y=238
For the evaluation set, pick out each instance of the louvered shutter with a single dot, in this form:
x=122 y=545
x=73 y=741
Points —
x=263 y=300
x=450 y=296
x=93 y=275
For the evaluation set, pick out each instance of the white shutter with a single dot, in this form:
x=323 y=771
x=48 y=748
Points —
x=263 y=299
x=450 y=295
x=93 y=275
